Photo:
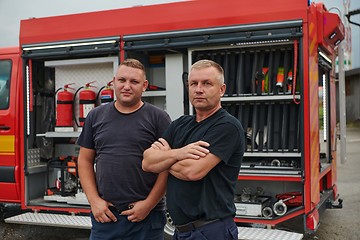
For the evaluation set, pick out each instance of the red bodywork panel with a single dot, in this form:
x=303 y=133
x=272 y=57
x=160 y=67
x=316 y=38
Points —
x=159 y=18
x=330 y=29
x=12 y=118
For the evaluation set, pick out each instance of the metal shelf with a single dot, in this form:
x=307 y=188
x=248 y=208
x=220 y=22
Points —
x=59 y=134
x=261 y=98
x=272 y=173
x=154 y=94
x=272 y=154
x=37 y=168
x=296 y=211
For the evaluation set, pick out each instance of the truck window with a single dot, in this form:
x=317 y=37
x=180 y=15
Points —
x=5 y=73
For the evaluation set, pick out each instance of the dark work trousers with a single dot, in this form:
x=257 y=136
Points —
x=225 y=229
x=151 y=228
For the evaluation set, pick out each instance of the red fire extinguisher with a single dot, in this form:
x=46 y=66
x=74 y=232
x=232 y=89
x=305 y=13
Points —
x=107 y=94
x=87 y=99
x=64 y=108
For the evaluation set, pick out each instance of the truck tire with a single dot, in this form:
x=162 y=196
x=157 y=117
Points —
x=2 y=212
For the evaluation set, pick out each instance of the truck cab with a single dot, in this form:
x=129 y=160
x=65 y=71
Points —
x=10 y=120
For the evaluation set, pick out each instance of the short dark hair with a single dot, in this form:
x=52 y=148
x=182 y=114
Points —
x=133 y=63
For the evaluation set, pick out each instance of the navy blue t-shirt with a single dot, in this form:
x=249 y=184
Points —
x=213 y=196
x=119 y=141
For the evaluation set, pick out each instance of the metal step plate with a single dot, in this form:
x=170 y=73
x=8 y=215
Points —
x=247 y=233
x=84 y=222
x=55 y=220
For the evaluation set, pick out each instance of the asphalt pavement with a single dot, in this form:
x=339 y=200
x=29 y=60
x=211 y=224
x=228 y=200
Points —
x=343 y=224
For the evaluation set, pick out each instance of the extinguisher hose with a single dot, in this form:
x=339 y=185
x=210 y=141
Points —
x=98 y=94
x=74 y=115
x=58 y=90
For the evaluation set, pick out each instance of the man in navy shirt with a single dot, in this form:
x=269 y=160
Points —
x=126 y=202
x=203 y=154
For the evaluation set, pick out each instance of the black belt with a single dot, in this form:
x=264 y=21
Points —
x=193 y=225
x=121 y=208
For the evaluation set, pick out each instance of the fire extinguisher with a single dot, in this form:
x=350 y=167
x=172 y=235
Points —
x=87 y=100
x=107 y=94
x=64 y=108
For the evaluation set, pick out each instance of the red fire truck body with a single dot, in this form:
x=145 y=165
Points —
x=279 y=67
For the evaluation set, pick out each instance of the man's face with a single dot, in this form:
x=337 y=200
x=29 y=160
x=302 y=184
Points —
x=205 y=90
x=129 y=85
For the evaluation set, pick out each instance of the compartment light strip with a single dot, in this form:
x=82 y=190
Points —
x=27 y=100
x=69 y=45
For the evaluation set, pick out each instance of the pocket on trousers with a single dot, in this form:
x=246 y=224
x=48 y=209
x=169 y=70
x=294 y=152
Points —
x=233 y=233
x=158 y=220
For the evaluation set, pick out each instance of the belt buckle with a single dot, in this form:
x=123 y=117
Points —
x=121 y=208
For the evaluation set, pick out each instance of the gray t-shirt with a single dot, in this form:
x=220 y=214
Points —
x=119 y=141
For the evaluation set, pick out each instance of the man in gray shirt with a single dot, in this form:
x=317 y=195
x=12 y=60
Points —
x=126 y=202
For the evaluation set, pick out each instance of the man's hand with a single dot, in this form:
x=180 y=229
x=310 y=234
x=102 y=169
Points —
x=161 y=144
x=194 y=150
x=138 y=211
x=101 y=211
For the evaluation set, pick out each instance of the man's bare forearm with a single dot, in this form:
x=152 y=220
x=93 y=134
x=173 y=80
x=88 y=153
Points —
x=194 y=169
x=160 y=157
x=159 y=189
x=87 y=173
x=184 y=170
x=157 y=161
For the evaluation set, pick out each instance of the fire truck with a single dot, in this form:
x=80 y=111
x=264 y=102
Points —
x=278 y=60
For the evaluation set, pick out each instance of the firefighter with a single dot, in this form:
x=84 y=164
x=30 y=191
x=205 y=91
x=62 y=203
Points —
x=126 y=202
x=203 y=154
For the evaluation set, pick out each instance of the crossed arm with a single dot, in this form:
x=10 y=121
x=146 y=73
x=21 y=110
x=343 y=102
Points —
x=190 y=163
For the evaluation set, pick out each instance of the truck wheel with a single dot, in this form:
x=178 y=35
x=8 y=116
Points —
x=169 y=228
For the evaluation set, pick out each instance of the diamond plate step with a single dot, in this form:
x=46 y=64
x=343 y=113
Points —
x=84 y=222
x=247 y=233
x=55 y=220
